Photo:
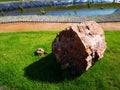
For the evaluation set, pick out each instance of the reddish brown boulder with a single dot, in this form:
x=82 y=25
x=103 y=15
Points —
x=79 y=46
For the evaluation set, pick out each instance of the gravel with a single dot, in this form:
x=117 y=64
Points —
x=72 y=19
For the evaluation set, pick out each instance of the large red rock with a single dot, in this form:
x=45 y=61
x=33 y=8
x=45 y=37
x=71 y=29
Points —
x=79 y=46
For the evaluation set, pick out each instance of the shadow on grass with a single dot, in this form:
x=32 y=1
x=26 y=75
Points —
x=47 y=70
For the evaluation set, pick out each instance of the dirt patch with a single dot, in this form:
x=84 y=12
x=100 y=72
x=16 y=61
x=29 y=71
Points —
x=32 y=26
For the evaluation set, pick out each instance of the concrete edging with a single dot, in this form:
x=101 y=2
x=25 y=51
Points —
x=61 y=19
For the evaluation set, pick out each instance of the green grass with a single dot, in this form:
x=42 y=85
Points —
x=21 y=69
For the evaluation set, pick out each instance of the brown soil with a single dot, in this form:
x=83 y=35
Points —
x=32 y=26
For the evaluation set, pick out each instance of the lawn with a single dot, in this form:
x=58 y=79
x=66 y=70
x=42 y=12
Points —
x=21 y=69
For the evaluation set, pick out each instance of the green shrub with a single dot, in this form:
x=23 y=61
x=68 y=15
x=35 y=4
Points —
x=50 y=4
x=21 y=8
x=101 y=7
x=42 y=11
x=2 y=13
x=89 y=4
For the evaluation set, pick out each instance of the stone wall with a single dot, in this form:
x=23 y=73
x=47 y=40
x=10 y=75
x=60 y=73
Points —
x=6 y=6
x=27 y=4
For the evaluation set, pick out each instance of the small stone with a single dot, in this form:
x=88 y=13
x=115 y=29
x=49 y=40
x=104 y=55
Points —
x=1 y=88
x=41 y=51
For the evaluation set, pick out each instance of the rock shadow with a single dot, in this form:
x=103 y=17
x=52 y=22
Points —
x=48 y=70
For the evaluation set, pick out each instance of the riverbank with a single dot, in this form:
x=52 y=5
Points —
x=54 y=5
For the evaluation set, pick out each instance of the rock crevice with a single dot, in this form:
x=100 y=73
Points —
x=79 y=46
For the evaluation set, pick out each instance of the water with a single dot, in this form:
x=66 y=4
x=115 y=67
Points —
x=82 y=12
x=73 y=12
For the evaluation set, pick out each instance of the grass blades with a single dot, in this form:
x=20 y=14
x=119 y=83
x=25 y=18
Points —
x=21 y=69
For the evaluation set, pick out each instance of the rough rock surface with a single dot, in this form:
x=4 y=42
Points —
x=79 y=46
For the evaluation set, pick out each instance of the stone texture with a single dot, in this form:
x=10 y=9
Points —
x=41 y=51
x=17 y=17
x=79 y=46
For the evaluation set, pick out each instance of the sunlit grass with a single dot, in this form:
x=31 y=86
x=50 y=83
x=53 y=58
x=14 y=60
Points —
x=21 y=69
